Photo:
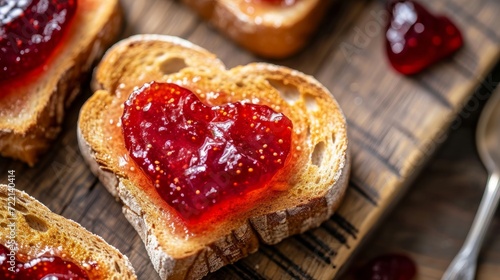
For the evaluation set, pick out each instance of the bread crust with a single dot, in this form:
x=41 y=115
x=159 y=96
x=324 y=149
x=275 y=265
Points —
x=272 y=32
x=317 y=188
x=38 y=231
x=31 y=114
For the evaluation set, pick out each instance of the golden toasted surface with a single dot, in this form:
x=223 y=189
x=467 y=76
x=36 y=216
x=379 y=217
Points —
x=40 y=232
x=31 y=111
x=306 y=191
x=272 y=31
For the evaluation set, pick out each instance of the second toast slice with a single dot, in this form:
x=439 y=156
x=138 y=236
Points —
x=36 y=235
x=265 y=28
x=32 y=107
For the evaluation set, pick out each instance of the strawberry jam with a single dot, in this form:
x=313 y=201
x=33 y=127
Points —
x=29 y=32
x=48 y=267
x=278 y=2
x=388 y=267
x=198 y=155
x=417 y=39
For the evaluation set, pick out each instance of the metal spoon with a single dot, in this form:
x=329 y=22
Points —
x=463 y=266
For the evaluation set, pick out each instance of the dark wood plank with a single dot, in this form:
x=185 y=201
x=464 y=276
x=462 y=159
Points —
x=431 y=222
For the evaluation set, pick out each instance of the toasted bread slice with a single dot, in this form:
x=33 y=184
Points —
x=273 y=31
x=305 y=193
x=40 y=232
x=32 y=110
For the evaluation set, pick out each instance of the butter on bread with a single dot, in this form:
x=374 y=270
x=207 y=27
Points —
x=40 y=232
x=314 y=180
x=273 y=31
x=32 y=112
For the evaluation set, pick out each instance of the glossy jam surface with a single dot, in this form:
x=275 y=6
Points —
x=416 y=39
x=197 y=155
x=49 y=267
x=29 y=31
x=278 y=2
x=388 y=267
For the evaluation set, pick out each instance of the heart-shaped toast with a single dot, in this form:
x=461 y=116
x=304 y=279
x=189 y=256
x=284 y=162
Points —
x=416 y=39
x=282 y=201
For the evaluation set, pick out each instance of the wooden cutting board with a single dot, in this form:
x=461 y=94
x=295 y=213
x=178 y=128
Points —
x=395 y=124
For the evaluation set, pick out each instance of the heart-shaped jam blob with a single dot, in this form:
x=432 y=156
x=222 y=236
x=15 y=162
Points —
x=390 y=266
x=198 y=155
x=417 y=39
x=49 y=267
x=29 y=31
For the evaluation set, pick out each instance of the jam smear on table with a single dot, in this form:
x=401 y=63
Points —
x=388 y=267
x=30 y=30
x=416 y=39
x=197 y=155
x=44 y=267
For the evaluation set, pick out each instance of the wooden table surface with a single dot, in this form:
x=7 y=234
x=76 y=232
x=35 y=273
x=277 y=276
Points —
x=431 y=222
x=395 y=124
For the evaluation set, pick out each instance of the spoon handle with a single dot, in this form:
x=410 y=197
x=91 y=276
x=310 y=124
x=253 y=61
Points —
x=463 y=266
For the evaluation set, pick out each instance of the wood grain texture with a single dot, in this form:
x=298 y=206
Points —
x=432 y=221
x=395 y=124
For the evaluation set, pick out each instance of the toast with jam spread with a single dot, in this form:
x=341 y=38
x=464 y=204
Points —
x=46 y=47
x=210 y=162
x=36 y=243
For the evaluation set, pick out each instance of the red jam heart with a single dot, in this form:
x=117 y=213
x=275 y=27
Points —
x=391 y=266
x=38 y=268
x=416 y=39
x=29 y=32
x=198 y=155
